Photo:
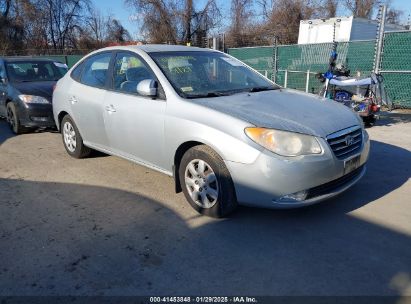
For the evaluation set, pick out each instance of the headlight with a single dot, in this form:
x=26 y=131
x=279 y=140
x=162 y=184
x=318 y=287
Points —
x=284 y=143
x=33 y=99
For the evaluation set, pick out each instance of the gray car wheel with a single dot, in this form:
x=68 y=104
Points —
x=206 y=182
x=73 y=142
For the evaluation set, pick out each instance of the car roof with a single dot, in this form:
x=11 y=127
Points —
x=150 y=48
x=26 y=58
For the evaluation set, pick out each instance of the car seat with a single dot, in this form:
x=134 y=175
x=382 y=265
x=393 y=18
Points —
x=43 y=72
x=133 y=77
x=31 y=74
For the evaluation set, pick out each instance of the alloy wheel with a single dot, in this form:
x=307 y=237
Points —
x=69 y=136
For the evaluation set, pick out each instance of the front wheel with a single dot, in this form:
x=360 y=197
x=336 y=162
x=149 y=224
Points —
x=73 y=142
x=206 y=182
x=13 y=119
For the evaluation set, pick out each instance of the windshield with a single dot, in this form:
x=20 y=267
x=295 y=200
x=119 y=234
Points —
x=209 y=74
x=32 y=71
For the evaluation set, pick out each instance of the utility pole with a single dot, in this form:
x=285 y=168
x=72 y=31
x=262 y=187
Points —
x=187 y=20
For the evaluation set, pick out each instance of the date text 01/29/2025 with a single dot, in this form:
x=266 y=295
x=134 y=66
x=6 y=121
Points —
x=203 y=299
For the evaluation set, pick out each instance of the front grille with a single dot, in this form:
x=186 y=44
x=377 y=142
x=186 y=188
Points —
x=346 y=142
x=335 y=184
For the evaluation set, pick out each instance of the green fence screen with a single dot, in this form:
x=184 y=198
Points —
x=260 y=58
x=70 y=60
x=298 y=61
x=396 y=67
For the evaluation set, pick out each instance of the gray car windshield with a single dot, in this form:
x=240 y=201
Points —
x=209 y=74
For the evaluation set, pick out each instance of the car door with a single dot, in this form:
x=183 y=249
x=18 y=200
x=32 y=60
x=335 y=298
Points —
x=3 y=89
x=86 y=97
x=134 y=124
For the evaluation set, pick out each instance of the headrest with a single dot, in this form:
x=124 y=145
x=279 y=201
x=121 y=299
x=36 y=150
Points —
x=136 y=74
x=175 y=63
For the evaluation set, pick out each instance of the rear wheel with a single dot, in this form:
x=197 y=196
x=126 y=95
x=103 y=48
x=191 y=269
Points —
x=206 y=182
x=73 y=142
x=13 y=119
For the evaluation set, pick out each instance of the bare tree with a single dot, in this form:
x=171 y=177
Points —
x=361 y=8
x=98 y=25
x=158 y=19
x=330 y=8
x=116 y=32
x=63 y=18
x=55 y=25
x=266 y=7
x=5 y=7
x=285 y=17
x=188 y=16
x=205 y=20
x=394 y=16
x=241 y=23
x=174 y=21
x=11 y=26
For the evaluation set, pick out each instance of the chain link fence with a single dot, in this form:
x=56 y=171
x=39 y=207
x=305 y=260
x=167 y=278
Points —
x=298 y=64
x=396 y=67
x=260 y=58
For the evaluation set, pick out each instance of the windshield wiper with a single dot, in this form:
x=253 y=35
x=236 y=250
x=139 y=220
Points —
x=205 y=95
x=259 y=89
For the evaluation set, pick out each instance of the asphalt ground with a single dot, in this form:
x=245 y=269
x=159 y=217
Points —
x=106 y=226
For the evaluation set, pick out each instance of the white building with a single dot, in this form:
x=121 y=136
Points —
x=346 y=29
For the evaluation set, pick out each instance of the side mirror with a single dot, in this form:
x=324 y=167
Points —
x=147 y=87
x=3 y=80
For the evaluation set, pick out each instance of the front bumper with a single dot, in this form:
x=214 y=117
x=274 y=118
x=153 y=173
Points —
x=266 y=181
x=36 y=115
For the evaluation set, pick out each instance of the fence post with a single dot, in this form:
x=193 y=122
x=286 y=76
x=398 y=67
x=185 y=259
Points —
x=380 y=40
x=215 y=43
x=285 y=78
x=274 y=71
x=307 y=81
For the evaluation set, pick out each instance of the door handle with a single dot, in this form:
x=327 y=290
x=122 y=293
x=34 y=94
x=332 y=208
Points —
x=110 y=108
x=73 y=99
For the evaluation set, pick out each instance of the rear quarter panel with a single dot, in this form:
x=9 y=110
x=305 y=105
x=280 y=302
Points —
x=60 y=98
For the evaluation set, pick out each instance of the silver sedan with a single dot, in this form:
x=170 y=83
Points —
x=225 y=133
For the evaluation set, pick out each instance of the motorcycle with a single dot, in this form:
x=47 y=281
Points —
x=363 y=95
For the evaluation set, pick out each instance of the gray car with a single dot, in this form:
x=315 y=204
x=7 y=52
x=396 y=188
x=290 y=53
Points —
x=226 y=134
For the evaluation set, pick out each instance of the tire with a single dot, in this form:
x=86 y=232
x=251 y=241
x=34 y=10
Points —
x=13 y=119
x=72 y=140
x=369 y=121
x=208 y=180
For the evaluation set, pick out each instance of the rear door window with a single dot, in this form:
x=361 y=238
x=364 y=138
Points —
x=76 y=74
x=96 y=70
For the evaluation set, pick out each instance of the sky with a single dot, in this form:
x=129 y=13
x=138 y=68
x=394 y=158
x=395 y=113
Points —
x=124 y=14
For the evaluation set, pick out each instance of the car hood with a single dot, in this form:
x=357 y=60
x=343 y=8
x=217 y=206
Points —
x=286 y=110
x=37 y=88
